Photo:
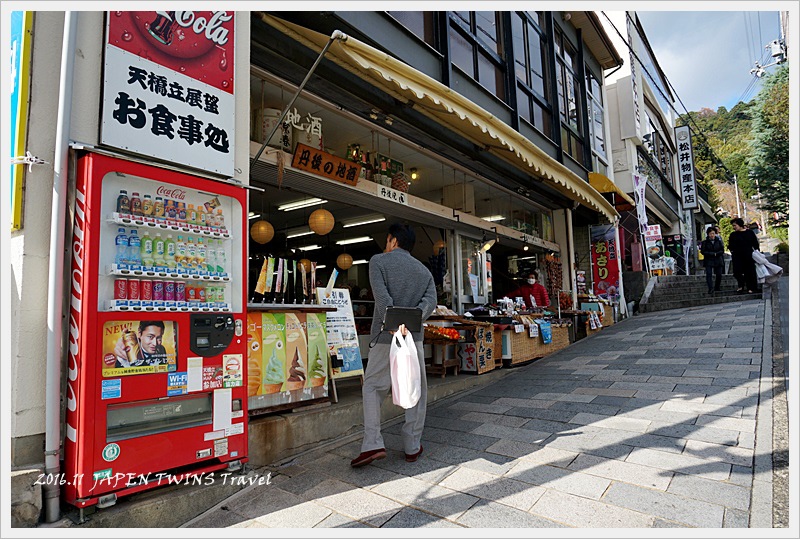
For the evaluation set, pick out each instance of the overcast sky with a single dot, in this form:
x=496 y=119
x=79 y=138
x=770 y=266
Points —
x=707 y=55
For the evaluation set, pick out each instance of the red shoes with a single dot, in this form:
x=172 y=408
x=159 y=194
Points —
x=413 y=457
x=368 y=456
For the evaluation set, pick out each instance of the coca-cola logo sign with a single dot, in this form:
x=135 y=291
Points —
x=178 y=194
x=198 y=44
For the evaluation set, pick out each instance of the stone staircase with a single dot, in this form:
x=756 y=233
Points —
x=681 y=291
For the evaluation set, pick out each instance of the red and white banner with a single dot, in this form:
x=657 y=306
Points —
x=168 y=86
x=605 y=262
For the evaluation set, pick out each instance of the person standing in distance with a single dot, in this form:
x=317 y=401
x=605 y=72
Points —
x=397 y=279
x=713 y=249
x=741 y=243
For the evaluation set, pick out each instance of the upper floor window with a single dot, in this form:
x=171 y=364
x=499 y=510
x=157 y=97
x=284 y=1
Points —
x=476 y=48
x=530 y=68
x=419 y=23
x=594 y=92
x=658 y=149
x=569 y=86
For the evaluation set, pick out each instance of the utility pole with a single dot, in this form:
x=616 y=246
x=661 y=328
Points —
x=736 y=187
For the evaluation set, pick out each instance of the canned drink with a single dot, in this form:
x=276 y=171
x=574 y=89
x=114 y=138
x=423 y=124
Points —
x=169 y=290
x=158 y=291
x=132 y=344
x=191 y=292
x=120 y=288
x=146 y=290
x=180 y=291
x=133 y=289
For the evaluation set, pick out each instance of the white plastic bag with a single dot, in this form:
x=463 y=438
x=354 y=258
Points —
x=404 y=367
x=766 y=271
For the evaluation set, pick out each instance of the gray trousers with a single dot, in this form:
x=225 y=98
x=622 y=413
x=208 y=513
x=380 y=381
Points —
x=377 y=382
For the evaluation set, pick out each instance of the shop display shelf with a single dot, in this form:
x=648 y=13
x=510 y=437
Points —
x=168 y=225
x=114 y=269
x=127 y=305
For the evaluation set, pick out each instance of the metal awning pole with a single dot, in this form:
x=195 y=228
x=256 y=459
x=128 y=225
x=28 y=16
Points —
x=334 y=36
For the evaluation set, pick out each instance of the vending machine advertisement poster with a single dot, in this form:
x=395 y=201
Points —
x=168 y=86
x=154 y=312
x=142 y=347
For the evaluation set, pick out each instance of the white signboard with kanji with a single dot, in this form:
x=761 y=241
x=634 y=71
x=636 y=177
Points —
x=168 y=87
x=687 y=183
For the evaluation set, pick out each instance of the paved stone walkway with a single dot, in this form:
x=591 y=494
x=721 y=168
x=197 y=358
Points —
x=650 y=424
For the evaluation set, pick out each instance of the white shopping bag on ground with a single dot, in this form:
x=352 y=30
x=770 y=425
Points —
x=404 y=367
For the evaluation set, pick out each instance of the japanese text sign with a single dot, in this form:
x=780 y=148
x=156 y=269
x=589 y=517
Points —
x=168 y=86
x=326 y=165
x=688 y=183
x=605 y=261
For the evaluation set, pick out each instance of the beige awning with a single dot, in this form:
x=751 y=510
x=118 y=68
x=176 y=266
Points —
x=603 y=184
x=448 y=108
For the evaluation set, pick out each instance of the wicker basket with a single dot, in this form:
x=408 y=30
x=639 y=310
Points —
x=525 y=348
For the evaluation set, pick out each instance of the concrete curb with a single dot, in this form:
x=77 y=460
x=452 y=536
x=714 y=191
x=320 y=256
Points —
x=761 y=495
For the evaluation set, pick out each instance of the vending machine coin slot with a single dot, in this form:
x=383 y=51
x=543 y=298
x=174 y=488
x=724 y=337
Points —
x=210 y=334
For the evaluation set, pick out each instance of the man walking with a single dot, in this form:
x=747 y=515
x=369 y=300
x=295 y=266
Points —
x=713 y=249
x=397 y=279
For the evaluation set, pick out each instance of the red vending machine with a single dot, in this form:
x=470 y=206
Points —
x=156 y=389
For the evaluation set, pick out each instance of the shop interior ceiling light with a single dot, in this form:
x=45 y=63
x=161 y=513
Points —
x=297 y=232
x=414 y=174
x=438 y=246
x=304 y=203
x=252 y=215
x=321 y=221
x=310 y=247
x=321 y=266
x=360 y=261
x=361 y=239
x=364 y=220
x=493 y=218
x=306 y=263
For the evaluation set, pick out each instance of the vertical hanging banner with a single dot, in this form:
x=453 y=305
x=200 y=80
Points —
x=688 y=183
x=605 y=262
x=168 y=86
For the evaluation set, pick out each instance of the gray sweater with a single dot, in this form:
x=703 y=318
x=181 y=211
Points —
x=398 y=279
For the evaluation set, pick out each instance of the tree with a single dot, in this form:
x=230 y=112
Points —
x=769 y=161
x=725 y=229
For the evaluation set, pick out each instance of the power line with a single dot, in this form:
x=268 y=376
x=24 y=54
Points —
x=688 y=115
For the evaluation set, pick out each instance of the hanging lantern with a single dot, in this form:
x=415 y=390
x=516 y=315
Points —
x=344 y=261
x=439 y=245
x=262 y=231
x=306 y=263
x=321 y=221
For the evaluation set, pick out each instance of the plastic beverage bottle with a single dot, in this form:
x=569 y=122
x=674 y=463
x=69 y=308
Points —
x=159 y=251
x=134 y=244
x=191 y=215
x=146 y=250
x=191 y=253
x=200 y=257
x=169 y=252
x=181 y=212
x=147 y=206
x=123 y=202
x=158 y=208
x=136 y=204
x=211 y=257
x=219 y=221
x=201 y=216
x=220 y=295
x=221 y=262
x=180 y=253
x=170 y=210
x=121 y=241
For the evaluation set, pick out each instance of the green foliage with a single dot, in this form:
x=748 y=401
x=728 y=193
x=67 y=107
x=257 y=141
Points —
x=779 y=233
x=725 y=229
x=769 y=161
x=783 y=248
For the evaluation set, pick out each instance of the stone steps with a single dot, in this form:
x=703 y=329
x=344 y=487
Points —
x=684 y=291
x=660 y=305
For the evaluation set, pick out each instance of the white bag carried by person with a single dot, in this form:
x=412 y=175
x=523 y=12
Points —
x=766 y=271
x=404 y=368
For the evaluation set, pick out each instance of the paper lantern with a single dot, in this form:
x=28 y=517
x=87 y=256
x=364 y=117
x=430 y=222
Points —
x=344 y=261
x=306 y=263
x=438 y=245
x=262 y=231
x=321 y=221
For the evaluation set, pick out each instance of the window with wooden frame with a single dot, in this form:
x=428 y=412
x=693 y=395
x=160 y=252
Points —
x=476 y=48
x=530 y=68
x=569 y=86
